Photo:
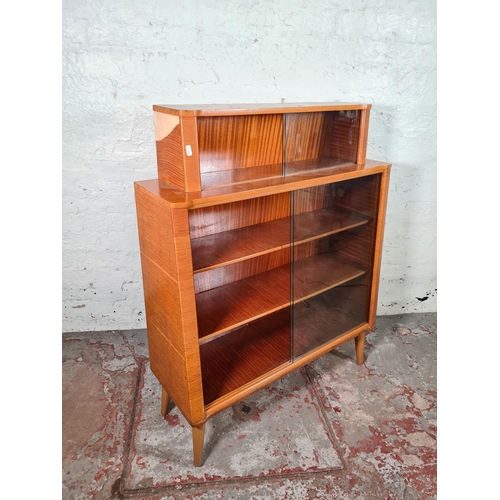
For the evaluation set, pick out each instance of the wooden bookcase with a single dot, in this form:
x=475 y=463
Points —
x=260 y=246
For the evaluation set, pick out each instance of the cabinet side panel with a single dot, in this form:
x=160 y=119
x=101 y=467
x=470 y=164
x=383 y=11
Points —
x=169 y=293
x=169 y=367
x=183 y=257
x=156 y=233
x=379 y=238
x=162 y=301
x=169 y=149
x=363 y=136
x=190 y=153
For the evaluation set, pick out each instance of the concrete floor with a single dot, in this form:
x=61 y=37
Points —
x=333 y=430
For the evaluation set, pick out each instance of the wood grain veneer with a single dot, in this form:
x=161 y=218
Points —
x=242 y=300
x=169 y=301
x=223 y=275
x=198 y=149
x=314 y=166
x=236 y=142
x=240 y=175
x=169 y=367
x=307 y=136
x=319 y=273
x=190 y=136
x=175 y=166
x=238 y=302
x=229 y=247
x=228 y=216
x=322 y=136
x=169 y=152
x=345 y=131
x=244 y=191
x=233 y=360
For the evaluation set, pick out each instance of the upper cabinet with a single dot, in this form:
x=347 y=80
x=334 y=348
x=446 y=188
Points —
x=202 y=147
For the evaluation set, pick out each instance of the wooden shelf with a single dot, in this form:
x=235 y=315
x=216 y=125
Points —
x=240 y=175
x=233 y=246
x=291 y=168
x=226 y=307
x=228 y=247
x=232 y=360
x=317 y=224
x=320 y=273
x=266 y=172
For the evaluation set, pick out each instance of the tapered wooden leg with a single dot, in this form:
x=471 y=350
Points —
x=360 y=346
x=165 y=400
x=198 y=437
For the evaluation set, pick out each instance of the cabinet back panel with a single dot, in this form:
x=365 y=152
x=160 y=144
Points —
x=353 y=247
x=361 y=195
x=322 y=318
x=230 y=142
x=314 y=198
x=220 y=276
x=219 y=218
x=242 y=355
x=345 y=135
x=307 y=135
x=331 y=134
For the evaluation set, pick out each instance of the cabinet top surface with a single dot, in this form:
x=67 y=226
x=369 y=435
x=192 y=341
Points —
x=225 y=194
x=253 y=108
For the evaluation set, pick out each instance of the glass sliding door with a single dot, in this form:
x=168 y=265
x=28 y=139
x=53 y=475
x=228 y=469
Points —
x=241 y=274
x=320 y=140
x=333 y=232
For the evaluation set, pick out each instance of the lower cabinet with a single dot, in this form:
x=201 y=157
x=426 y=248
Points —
x=240 y=292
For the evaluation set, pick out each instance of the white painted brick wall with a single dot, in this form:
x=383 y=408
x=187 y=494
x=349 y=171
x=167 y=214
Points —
x=121 y=57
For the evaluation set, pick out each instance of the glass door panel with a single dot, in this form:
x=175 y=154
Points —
x=320 y=140
x=333 y=233
x=242 y=278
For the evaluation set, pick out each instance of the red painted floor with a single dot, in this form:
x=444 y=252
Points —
x=332 y=430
